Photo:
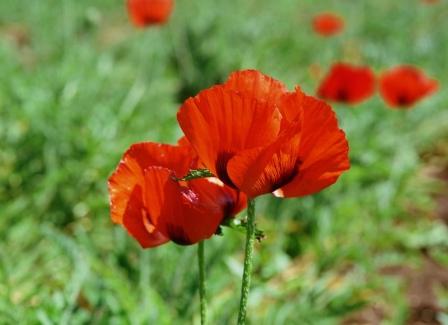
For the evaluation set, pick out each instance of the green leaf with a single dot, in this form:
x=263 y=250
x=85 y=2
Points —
x=197 y=173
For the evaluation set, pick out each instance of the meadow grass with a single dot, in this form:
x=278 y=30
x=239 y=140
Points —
x=78 y=85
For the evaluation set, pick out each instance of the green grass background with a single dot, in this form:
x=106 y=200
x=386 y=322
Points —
x=78 y=85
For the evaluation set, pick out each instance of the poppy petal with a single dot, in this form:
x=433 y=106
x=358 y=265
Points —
x=177 y=211
x=136 y=222
x=212 y=192
x=219 y=122
x=264 y=169
x=320 y=130
x=129 y=172
x=121 y=185
x=292 y=105
x=323 y=147
x=175 y=158
x=316 y=177
x=257 y=85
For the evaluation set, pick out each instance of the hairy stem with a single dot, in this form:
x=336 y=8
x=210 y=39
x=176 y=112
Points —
x=250 y=240
x=202 y=289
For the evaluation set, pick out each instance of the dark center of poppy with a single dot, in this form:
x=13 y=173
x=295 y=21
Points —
x=177 y=235
x=342 y=95
x=403 y=100
x=221 y=167
x=286 y=177
x=228 y=205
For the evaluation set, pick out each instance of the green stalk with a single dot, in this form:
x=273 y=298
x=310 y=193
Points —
x=250 y=240
x=202 y=289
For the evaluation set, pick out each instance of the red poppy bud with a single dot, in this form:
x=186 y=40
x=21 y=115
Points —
x=149 y=12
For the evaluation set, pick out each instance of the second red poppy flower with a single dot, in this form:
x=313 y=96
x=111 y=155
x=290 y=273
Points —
x=346 y=83
x=149 y=200
x=403 y=86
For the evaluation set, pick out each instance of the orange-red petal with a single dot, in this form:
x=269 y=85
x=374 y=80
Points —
x=323 y=147
x=257 y=85
x=136 y=222
x=212 y=192
x=177 y=211
x=265 y=169
x=220 y=122
x=320 y=130
x=129 y=172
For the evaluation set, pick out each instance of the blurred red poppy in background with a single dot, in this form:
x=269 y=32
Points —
x=405 y=85
x=147 y=198
x=430 y=1
x=346 y=83
x=149 y=12
x=259 y=138
x=328 y=24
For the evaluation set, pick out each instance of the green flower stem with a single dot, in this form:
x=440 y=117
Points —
x=202 y=289
x=250 y=240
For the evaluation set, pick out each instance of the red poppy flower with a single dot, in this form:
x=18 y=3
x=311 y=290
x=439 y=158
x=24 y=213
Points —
x=430 y=1
x=328 y=24
x=149 y=12
x=347 y=84
x=404 y=85
x=149 y=201
x=259 y=138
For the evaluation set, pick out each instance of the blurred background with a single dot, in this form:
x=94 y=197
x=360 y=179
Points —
x=79 y=84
